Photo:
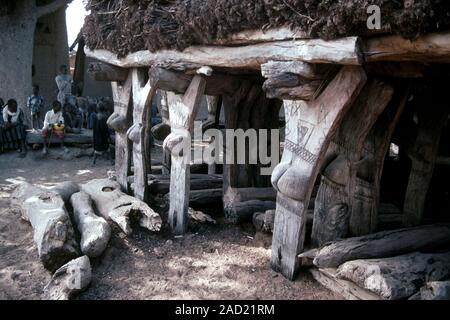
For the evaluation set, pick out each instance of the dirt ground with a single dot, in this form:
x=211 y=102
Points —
x=210 y=262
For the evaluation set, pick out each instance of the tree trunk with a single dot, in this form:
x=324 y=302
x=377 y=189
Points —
x=95 y=231
x=121 y=208
x=435 y=290
x=16 y=52
x=53 y=232
x=398 y=277
x=16 y=48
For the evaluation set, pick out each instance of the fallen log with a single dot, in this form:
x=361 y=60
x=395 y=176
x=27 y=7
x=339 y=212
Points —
x=382 y=244
x=112 y=203
x=69 y=280
x=95 y=231
x=238 y=212
x=53 y=232
x=397 y=277
x=435 y=290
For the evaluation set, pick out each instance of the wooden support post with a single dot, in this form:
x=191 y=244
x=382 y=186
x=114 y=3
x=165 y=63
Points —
x=423 y=155
x=214 y=106
x=183 y=110
x=139 y=133
x=364 y=217
x=309 y=128
x=120 y=121
x=334 y=199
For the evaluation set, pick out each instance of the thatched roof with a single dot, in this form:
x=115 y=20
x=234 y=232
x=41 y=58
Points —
x=126 y=26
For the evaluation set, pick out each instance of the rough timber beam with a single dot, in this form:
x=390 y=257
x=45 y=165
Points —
x=433 y=47
x=346 y=51
x=309 y=128
x=178 y=82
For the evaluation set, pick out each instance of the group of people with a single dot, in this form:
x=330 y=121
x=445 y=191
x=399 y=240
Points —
x=68 y=113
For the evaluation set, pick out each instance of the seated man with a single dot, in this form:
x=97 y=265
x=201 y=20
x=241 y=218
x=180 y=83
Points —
x=72 y=117
x=14 y=130
x=53 y=126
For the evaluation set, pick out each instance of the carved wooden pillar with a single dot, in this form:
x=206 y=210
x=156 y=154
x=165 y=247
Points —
x=120 y=121
x=309 y=128
x=334 y=201
x=139 y=133
x=432 y=119
x=183 y=110
x=364 y=217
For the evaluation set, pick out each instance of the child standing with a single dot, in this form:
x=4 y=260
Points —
x=35 y=104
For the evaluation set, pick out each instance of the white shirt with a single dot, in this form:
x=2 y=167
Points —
x=53 y=118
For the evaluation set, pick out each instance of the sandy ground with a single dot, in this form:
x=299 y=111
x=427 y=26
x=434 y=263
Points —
x=210 y=262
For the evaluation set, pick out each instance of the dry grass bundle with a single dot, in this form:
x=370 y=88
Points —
x=125 y=26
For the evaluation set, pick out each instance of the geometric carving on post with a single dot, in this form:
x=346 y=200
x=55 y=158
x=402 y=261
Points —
x=432 y=119
x=139 y=133
x=183 y=110
x=334 y=201
x=309 y=128
x=120 y=121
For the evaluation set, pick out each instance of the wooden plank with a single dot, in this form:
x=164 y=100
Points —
x=349 y=290
x=120 y=121
x=344 y=51
x=183 y=110
x=309 y=128
x=139 y=133
x=333 y=213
